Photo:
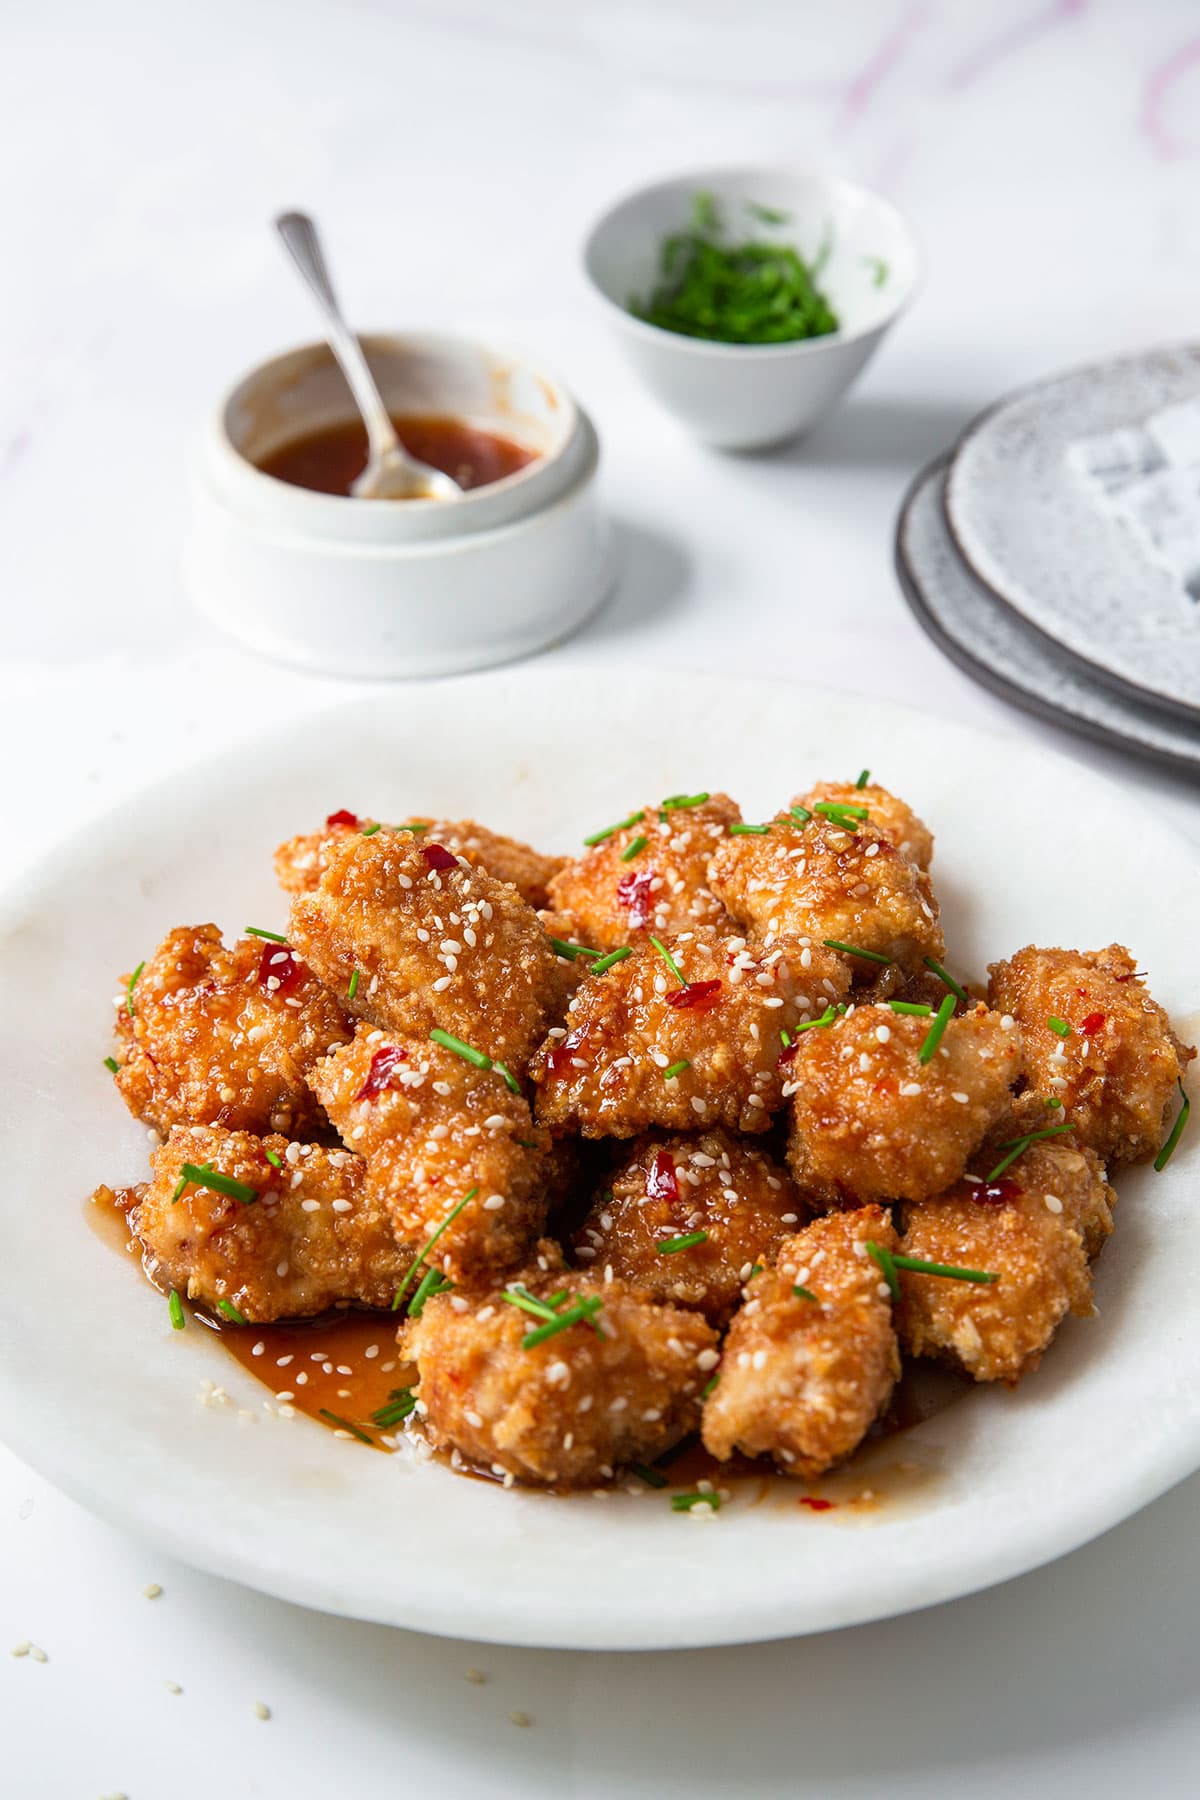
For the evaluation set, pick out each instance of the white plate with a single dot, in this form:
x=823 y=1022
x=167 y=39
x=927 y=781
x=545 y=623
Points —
x=100 y=1394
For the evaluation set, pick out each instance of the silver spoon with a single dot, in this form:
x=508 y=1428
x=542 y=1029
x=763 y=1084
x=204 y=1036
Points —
x=391 y=473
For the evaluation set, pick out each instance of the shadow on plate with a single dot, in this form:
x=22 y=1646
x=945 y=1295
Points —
x=877 y=433
x=653 y=572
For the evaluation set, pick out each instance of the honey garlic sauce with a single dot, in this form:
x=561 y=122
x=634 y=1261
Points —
x=344 y=1363
x=330 y=459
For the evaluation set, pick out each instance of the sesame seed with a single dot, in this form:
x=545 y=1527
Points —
x=909 y=1088
x=963 y=1099
x=473 y=1418
x=475 y=1676
x=759 y=1360
x=38 y=1654
x=172 y=1687
x=261 y=1709
x=152 y=1590
x=1053 y=1203
x=521 y=1718
x=883 y=1033
x=21 y=1649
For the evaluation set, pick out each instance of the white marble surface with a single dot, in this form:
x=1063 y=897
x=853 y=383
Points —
x=1048 y=155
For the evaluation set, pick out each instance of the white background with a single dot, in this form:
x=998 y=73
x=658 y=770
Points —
x=1048 y=155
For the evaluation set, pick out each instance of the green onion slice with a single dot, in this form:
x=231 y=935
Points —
x=431 y=1284
x=826 y=1018
x=583 y=1310
x=347 y=1425
x=863 y=779
x=652 y=1477
x=944 y=976
x=911 y=1008
x=572 y=952
x=740 y=830
x=933 y=1036
x=883 y=1257
x=1060 y=1027
x=674 y=967
x=598 y=837
x=517 y=1294
x=680 y=802
x=1018 y=1146
x=422 y=1254
x=1181 y=1119
x=685 y=1502
x=607 y=962
x=670 y=1245
x=803 y=1293
x=949 y=1270
x=676 y=1068
x=274 y=1158
x=801 y=814
x=202 y=1175
x=272 y=937
x=634 y=848
x=175 y=1308
x=838 y=813
x=231 y=1312
x=709 y=1385
x=353 y=987
x=370 y=830
x=111 y=1063
x=853 y=950
x=480 y=1058
x=130 y=985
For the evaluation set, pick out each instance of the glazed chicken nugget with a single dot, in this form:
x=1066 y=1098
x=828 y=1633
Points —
x=574 y=1407
x=641 y=1048
x=1034 y=1227
x=898 y=822
x=871 y=1121
x=432 y=1128
x=732 y=1194
x=1094 y=1039
x=295 y=1240
x=804 y=1375
x=648 y=874
x=301 y=861
x=427 y=940
x=823 y=882
x=210 y=1036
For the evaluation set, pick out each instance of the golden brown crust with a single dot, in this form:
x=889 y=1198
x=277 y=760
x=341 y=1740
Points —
x=870 y=1121
x=224 y=1037
x=604 y=1072
x=301 y=861
x=672 y=1186
x=432 y=945
x=802 y=1380
x=1116 y=1072
x=889 y=815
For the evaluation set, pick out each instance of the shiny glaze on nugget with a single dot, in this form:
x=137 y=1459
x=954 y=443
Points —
x=301 y=861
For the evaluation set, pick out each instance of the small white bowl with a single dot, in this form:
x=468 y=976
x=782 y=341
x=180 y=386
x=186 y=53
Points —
x=399 y=588
x=743 y=396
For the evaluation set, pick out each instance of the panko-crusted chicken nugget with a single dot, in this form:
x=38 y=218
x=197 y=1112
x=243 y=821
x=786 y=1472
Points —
x=825 y=882
x=210 y=1036
x=889 y=815
x=641 y=1047
x=650 y=873
x=432 y=1127
x=1034 y=1227
x=1094 y=1039
x=804 y=1375
x=871 y=1121
x=617 y=1386
x=734 y=1197
x=285 y=1243
x=425 y=940
x=572 y=955
x=301 y=861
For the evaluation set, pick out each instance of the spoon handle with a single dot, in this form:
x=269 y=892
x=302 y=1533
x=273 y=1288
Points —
x=300 y=236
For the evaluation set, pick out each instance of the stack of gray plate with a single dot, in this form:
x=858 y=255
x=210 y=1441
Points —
x=1055 y=554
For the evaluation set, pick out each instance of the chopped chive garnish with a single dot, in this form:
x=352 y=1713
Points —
x=945 y=976
x=416 y=826
x=354 y=1430
x=652 y=1477
x=1018 y=1146
x=431 y=1284
x=370 y=830
x=175 y=1308
x=556 y=1300
x=111 y=1063
x=510 y=1080
x=422 y=1254
x=272 y=937
x=518 y=1295
x=709 y=1385
x=949 y=1270
x=801 y=814
x=634 y=848
x=400 y=1403
x=353 y=987
x=607 y=962
x=863 y=779
x=1054 y=1102
x=756 y=1269
x=274 y=1158
x=740 y=830
x=685 y=1502
x=130 y=985
x=676 y=1068
x=674 y=967
x=526 y=1143
x=1060 y=1027
x=231 y=1312
x=179 y=1187
x=678 y=802
x=933 y=1036
x=598 y=837
x=572 y=952
x=803 y=1293
x=838 y=813
x=687 y=1242
x=1181 y=1119
x=874 y=956
x=480 y=1058
x=883 y=1257
x=826 y=1018
x=785 y=1037
x=911 y=1008
x=203 y=1176
x=583 y=1310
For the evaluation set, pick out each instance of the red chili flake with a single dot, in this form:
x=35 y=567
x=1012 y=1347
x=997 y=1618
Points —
x=343 y=818
x=696 y=996
x=438 y=857
x=633 y=891
x=560 y=1056
x=660 y=1178
x=1092 y=1024
x=994 y=1193
x=280 y=970
x=787 y=1053
x=383 y=1067
x=815 y=1504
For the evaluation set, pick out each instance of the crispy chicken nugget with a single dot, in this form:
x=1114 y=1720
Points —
x=431 y=941
x=432 y=1128
x=571 y=1409
x=1094 y=1039
x=822 y=882
x=742 y=1202
x=651 y=874
x=1035 y=1227
x=898 y=822
x=224 y=1037
x=301 y=861
x=640 y=1048
x=871 y=1121
x=804 y=1375
x=312 y=1238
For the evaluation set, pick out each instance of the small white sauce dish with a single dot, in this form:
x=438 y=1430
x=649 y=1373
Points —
x=399 y=588
x=746 y=396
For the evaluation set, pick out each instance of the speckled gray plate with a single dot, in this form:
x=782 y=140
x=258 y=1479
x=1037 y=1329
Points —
x=992 y=644
x=1026 y=524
